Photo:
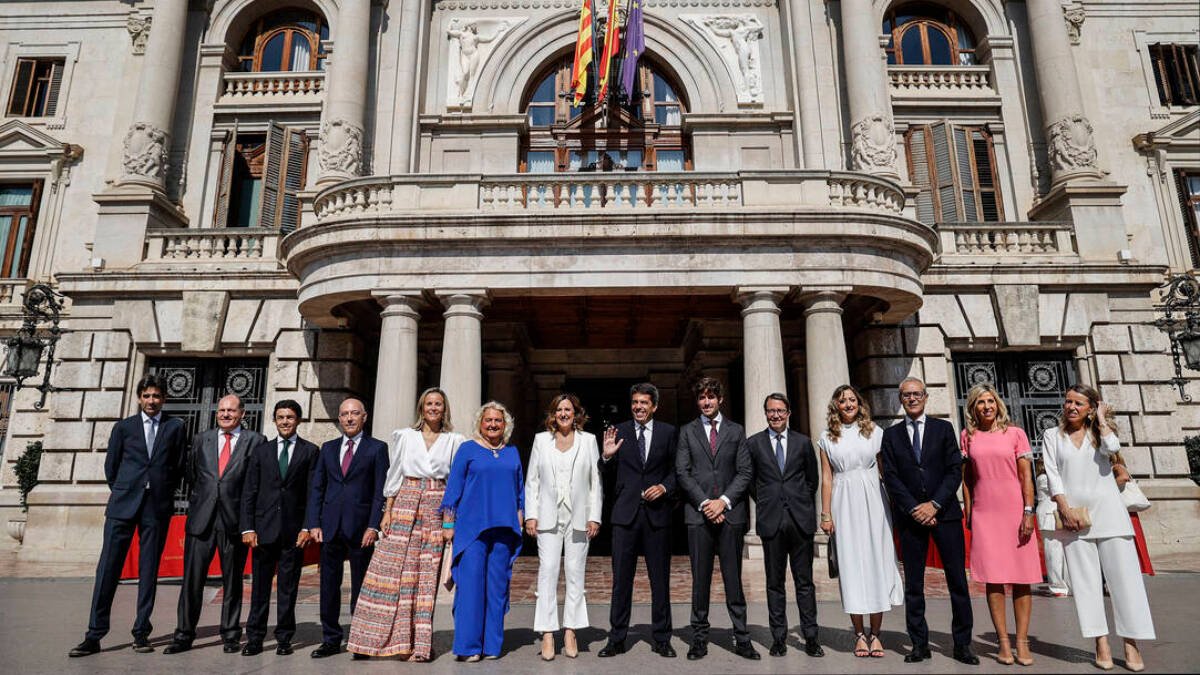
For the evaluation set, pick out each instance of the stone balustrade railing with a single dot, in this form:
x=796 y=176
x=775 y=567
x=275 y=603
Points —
x=268 y=87
x=1007 y=239
x=12 y=291
x=589 y=192
x=231 y=244
x=917 y=80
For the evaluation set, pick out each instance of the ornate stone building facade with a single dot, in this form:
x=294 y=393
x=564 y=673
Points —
x=311 y=198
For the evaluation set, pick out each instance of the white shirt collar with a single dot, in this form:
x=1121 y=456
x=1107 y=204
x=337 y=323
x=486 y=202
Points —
x=919 y=420
x=708 y=421
x=778 y=434
x=236 y=431
x=649 y=425
x=145 y=418
x=356 y=438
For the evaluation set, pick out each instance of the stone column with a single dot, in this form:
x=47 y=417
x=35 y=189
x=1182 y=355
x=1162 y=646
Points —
x=1069 y=143
x=762 y=352
x=408 y=72
x=872 y=134
x=462 y=352
x=825 y=347
x=396 y=372
x=805 y=99
x=341 y=150
x=148 y=141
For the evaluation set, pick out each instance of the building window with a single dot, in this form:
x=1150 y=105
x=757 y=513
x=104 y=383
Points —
x=261 y=176
x=646 y=136
x=1033 y=386
x=928 y=35
x=954 y=167
x=1188 y=185
x=1176 y=74
x=35 y=87
x=286 y=40
x=18 y=221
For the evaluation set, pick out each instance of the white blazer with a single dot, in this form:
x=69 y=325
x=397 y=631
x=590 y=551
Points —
x=587 y=494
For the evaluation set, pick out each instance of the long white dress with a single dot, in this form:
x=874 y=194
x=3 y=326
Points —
x=869 y=578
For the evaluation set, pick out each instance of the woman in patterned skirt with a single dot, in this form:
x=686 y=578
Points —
x=394 y=616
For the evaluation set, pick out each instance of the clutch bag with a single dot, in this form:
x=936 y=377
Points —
x=833 y=559
x=1081 y=514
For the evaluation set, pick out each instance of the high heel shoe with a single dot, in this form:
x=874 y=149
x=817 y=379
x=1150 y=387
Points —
x=570 y=646
x=1004 y=646
x=1138 y=666
x=1106 y=664
x=1026 y=661
x=547 y=647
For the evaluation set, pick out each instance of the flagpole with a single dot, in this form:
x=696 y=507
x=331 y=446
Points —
x=595 y=61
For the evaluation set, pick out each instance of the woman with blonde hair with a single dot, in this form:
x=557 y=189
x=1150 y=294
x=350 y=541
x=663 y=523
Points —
x=999 y=510
x=1099 y=537
x=394 y=615
x=854 y=508
x=564 y=494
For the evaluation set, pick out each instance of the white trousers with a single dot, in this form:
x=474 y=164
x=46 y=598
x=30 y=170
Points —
x=1056 y=563
x=1091 y=563
x=553 y=547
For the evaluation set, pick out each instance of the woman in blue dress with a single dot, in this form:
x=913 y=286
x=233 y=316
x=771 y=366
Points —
x=482 y=514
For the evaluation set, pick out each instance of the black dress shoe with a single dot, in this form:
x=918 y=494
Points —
x=232 y=646
x=698 y=650
x=963 y=655
x=252 y=649
x=359 y=657
x=177 y=647
x=283 y=649
x=917 y=655
x=778 y=648
x=813 y=648
x=746 y=651
x=663 y=649
x=326 y=649
x=141 y=645
x=612 y=649
x=85 y=648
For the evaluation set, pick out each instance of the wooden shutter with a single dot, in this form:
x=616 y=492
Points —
x=965 y=174
x=225 y=180
x=294 y=164
x=18 y=98
x=919 y=173
x=1187 y=203
x=275 y=147
x=946 y=197
x=56 y=75
x=984 y=156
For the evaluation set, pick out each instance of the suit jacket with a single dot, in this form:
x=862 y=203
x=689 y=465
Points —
x=128 y=467
x=273 y=505
x=790 y=493
x=937 y=476
x=213 y=495
x=703 y=475
x=348 y=504
x=541 y=494
x=633 y=476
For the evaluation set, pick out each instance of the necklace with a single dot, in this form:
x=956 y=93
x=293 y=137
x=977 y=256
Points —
x=495 y=451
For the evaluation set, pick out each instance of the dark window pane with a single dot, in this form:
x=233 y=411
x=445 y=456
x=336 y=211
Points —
x=541 y=115
x=545 y=91
x=910 y=47
x=939 y=48
x=272 y=54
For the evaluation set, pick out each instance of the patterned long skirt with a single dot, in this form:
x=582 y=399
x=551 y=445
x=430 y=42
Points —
x=394 y=615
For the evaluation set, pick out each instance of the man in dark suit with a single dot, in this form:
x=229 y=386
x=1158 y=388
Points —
x=714 y=472
x=274 y=497
x=642 y=454
x=922 y=469
x=215 y=469
x=345 y=506
x=142 y=466
x=785 y=489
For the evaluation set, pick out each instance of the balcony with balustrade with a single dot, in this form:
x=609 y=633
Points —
x=296 y=91
x=952 y=85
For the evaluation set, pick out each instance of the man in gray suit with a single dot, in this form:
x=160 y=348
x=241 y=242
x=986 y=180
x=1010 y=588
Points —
x=714 y=473
x=215 y=470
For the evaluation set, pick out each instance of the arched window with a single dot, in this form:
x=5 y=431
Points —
x=645 y=136
x=285 y=40
x=928 y=35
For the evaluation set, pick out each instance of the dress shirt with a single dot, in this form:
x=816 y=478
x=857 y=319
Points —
x=782 y=438
x=236 y=432
x=908 y=427
x=411 y=459
x=707 y=423
x=148 y=424
x=279 y=446
x=345 y=441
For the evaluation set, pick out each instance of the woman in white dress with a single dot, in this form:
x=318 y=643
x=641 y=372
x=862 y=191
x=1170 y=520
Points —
x=563 y=497
x=854 y=506
x=1080 y=474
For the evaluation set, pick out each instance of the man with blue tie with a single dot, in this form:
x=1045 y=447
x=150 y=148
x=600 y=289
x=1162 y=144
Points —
x=142 y=466
x=922 y=469
x=345 y=506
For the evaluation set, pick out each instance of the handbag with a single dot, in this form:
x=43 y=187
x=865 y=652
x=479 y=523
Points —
x=833 y=559
x=1135 y=500
x=1081 y=514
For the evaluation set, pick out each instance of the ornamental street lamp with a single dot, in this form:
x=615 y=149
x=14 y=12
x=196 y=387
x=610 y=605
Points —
x=41 y=305
x=1181 y=322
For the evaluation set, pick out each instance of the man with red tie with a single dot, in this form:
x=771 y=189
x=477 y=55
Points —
x=215 y=471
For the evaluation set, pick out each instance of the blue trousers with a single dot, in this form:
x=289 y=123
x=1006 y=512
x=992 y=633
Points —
x=151 y=526
x=482 y=574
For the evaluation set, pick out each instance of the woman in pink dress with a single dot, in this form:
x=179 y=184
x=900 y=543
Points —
x=999 y=511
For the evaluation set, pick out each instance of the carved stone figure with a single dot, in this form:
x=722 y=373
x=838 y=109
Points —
x=341 y=148
x=1074 y=15
x=145 y=152
x=139 y=32
x=1072 y=147
x=742 y=32
x=873 y=144
x=469 y=39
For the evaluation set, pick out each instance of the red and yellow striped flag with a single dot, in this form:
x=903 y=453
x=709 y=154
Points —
x=583 y=53
x=612 y=43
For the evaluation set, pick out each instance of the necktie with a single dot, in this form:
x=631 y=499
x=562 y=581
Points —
x=151 y=435
x=712 y=438
x=916 y=440
x=779 y=456
x=349 y=457
x=283 y=458
x=642 y=442
x=226 y=451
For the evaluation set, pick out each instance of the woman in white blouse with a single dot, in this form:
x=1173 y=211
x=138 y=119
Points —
x=394 y=615
x=563 y=497
x=1080 y=475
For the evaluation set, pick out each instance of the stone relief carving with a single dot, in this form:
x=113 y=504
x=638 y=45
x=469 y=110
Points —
x=1074 y=16
x=1072 y=147
x=471 y=42
x=451 y=5
x=341 y=148
x=736 y=37
x=145 y=152
x=139 y=32
x=873 y=144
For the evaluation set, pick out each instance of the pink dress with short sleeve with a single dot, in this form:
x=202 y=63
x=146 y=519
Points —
x=998 y=556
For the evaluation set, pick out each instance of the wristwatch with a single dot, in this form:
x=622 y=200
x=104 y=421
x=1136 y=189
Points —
x=1029 y=510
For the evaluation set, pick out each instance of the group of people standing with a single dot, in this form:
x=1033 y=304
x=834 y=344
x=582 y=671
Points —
x=395 y=512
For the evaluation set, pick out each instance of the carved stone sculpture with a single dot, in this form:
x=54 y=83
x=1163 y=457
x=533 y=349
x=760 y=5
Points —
x=341 y=148
x=1074 y=15
x=471 y=41
x=139 y=32
x=145 y=153
x=736 y=38
x=873 y=145
x=1072 y=147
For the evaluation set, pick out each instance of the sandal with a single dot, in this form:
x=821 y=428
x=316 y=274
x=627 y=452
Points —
x=864 y=651
x=876 y=652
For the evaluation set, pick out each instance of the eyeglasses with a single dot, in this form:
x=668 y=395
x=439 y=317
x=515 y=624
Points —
x=778 y=413
x=912 y=395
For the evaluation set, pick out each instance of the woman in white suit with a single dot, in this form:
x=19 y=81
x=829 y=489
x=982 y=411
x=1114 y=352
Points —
x=563 y=497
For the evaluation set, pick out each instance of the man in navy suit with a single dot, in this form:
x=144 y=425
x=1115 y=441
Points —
x=345 y=506
x=142 y=467
x=278 y=479
x=922 y=469
x=642 y=453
